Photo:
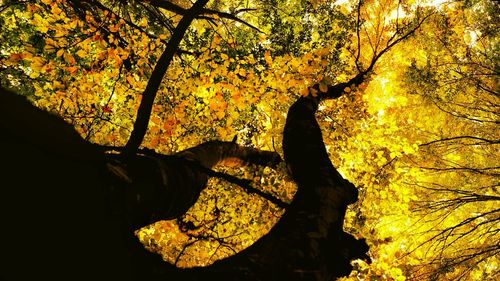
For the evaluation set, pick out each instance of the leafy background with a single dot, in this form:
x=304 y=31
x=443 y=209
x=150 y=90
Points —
x=420 y=138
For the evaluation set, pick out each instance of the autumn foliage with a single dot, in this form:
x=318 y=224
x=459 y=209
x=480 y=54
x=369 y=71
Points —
x=406 y=106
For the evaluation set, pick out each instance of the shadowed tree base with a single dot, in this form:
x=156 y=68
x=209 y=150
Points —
x=308 y=243
x=59 y=222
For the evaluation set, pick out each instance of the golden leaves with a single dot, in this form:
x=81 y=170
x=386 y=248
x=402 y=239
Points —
x=68 y=58
x=218 y=106
x=81 y=53
x=40 y=24
x=323 y=87
x=245 y=219
x=304 y=92
x=373 y=133
x=268 y=58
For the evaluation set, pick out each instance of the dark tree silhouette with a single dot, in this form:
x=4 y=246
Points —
x=73 y=209
x=69 y=209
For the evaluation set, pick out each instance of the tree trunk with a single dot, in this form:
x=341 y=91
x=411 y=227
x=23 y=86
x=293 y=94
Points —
x=308 y=243
x=69 y=211
x=53 y=208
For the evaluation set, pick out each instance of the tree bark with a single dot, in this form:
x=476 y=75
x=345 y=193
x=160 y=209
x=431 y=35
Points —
x=308 y=243
x=53 y=208
x=149 y=186
x=87 y=211
x=69 y=211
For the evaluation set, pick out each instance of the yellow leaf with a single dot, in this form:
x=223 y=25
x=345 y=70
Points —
x=60 y=53
x=34 y=74
x=37 y=63
x=72 y=69
x=113 y=28
x=143 y=22
x=131 y=80
x=243 y=72
x=268 y=58
x=43 y=29
x=323 y=87
x=81 y=53
x=69 y=58
x=73 y=24
x=216 y=40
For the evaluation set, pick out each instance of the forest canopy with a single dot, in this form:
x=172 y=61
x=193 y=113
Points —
x=418 y=137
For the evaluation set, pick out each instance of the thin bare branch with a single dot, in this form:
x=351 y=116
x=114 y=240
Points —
x=481 y=140
x=358 y=25
x=230 y=17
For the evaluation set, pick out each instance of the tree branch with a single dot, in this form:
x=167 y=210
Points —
x=395 y=42
x=358 y=26
x=337 y=90
x=230 y=17
x=181 y=11
x=148 y=97
x=245 y=184
x=481 y=140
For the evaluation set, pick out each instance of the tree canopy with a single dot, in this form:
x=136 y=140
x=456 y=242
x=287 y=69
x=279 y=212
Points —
x=408 y=111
